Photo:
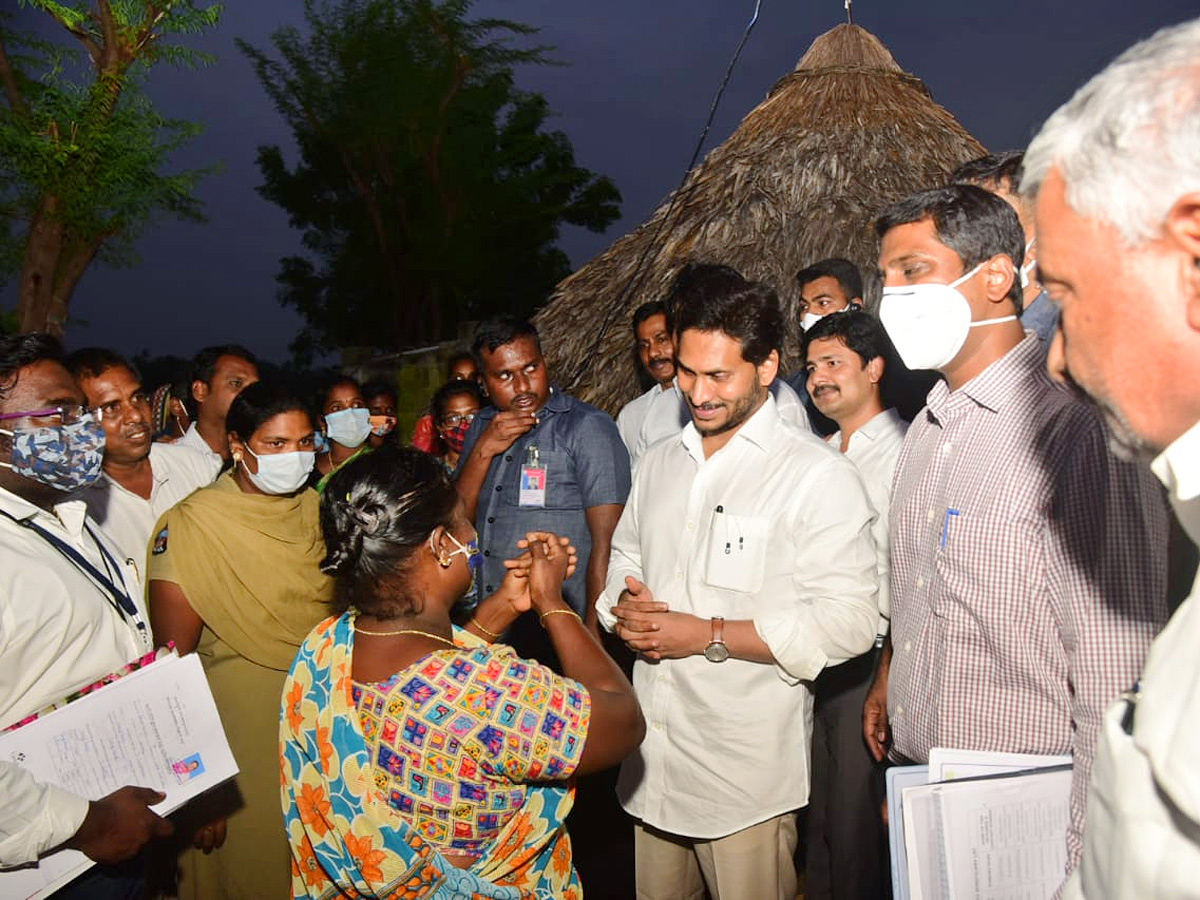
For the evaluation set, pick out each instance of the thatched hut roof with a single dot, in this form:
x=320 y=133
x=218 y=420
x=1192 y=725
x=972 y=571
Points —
x=836 y=140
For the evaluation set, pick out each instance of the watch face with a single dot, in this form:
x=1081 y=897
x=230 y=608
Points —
x=716 y=652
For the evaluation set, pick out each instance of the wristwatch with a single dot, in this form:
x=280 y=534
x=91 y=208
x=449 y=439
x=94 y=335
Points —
x=716 y=651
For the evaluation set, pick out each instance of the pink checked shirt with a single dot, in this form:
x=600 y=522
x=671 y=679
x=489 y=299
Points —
x=1028 y=572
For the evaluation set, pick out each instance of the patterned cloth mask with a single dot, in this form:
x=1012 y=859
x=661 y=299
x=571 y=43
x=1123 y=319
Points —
x=456 y=437
x=65 y=457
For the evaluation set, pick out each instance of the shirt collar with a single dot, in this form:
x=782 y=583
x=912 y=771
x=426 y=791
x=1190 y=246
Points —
x=876 y=425
x=1178 y=467
x=558 y=402
x=70 y=514
x=993 y=387
x=758 y=430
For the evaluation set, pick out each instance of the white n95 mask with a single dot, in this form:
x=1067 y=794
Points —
x=929 y=323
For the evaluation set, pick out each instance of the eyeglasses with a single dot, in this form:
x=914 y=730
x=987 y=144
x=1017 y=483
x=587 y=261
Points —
x=117 y=408
x=452 y=420
x=68 y=413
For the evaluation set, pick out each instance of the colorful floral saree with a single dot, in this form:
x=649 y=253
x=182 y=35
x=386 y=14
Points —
x=348 y=841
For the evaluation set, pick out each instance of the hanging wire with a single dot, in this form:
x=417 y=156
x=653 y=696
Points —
x=635 y=280
x=850 y=12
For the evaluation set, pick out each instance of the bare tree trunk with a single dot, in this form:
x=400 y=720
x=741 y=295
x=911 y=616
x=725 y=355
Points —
x=54 y=264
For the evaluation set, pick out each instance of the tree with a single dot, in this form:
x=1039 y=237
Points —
x=82 y=148
x=427 y=189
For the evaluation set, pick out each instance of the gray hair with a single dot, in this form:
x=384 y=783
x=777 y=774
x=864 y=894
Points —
x=1127 y=145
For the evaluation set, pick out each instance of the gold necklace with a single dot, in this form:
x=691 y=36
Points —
x=426 y=634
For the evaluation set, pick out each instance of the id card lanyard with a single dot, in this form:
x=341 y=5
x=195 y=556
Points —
x=533 y=479
x=118 y=598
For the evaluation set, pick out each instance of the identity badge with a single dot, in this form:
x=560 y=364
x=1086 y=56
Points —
x=533 y=486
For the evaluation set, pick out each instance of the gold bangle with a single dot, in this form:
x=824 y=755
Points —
x=486 y=632
x=556 y=612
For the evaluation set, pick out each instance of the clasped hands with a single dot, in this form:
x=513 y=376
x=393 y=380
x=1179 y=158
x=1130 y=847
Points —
x=648 y=626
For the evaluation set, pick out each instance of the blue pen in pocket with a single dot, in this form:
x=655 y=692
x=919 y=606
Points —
x=946 y=526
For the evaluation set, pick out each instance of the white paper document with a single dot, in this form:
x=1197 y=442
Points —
x=157 y=727
x=994 y=829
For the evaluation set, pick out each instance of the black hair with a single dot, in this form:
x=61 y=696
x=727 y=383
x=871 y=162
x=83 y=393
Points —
x=450 y=390
x=91 y=362
x=499 y=331
x=376 y=511
x=377 y=386
x=20 y=350
x=259 y=403
x=464 y=356
x=995 y=170
x=204 y=363
x=842 y=270
x=860 y=331
x=717 y=298
x=974 y=223
x=652 y=308
x=328 y=385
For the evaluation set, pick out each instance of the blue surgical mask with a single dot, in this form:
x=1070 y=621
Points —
x=348 y=427
x=470 y=549
x=65 y=457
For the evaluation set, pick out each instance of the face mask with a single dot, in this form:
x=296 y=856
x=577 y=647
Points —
x=456 y=437
x=281 y=473
x=320 y=442
x=808 y=320
x=1028 y=267
x=929 y=323
x=470 y=549
x=349 y=427
x=381 y=426
x=65 y=457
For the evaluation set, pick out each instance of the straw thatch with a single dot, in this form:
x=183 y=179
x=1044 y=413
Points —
x=802 y=178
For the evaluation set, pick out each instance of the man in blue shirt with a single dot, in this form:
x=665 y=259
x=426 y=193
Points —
x=539 y=460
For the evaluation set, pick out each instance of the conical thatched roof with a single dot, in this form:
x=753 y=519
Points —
x=835 y=141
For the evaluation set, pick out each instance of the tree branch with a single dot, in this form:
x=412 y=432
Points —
x=111 y=51
x=12 y=90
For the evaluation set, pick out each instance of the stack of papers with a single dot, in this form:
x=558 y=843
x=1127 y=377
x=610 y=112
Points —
x=990 y=826
x=156 y=727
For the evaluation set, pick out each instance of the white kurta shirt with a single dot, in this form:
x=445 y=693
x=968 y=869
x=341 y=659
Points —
x=126 y=518
x=58 y=633
x=1142 y=833
x=632 y=416
x=875 y=449
x=727 y=743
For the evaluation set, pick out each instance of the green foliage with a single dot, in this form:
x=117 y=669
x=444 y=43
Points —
x=80 y=132
x=427 y=188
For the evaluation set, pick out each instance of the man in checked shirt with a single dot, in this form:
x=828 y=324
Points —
x=1028 y=563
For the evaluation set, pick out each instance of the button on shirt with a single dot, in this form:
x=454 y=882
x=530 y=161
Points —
x=58 y=633
x=1143 y=818
x=586 y=465
x=128 y=519
x=874 y=449
x=1028 y=572
x=727 y=743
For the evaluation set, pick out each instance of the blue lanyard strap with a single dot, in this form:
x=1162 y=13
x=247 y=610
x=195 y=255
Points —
x=118 y=597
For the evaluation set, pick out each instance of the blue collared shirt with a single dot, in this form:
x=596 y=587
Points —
x=586 y=465
x=1041 y=316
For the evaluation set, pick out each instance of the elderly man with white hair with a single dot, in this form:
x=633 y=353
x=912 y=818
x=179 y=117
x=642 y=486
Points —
x=1115 y=174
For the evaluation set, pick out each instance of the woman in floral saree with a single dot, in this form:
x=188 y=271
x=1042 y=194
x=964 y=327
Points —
x=420 y=760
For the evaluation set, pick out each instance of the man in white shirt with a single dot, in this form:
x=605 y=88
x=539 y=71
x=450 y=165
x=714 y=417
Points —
x=218 y=375
x=141 y=479
x=1116 y=179
x=654 y=343
x=742 y=565
x=846 y=840
x=70 y=611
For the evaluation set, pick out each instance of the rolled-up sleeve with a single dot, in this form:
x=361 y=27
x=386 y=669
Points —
x=37 y=817
x=835 y=614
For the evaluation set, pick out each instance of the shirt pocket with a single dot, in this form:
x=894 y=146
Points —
x=736 y=557
x=562 y=489
x=992 y=570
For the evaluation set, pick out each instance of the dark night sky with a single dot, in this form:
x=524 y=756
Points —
x=633 y=97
